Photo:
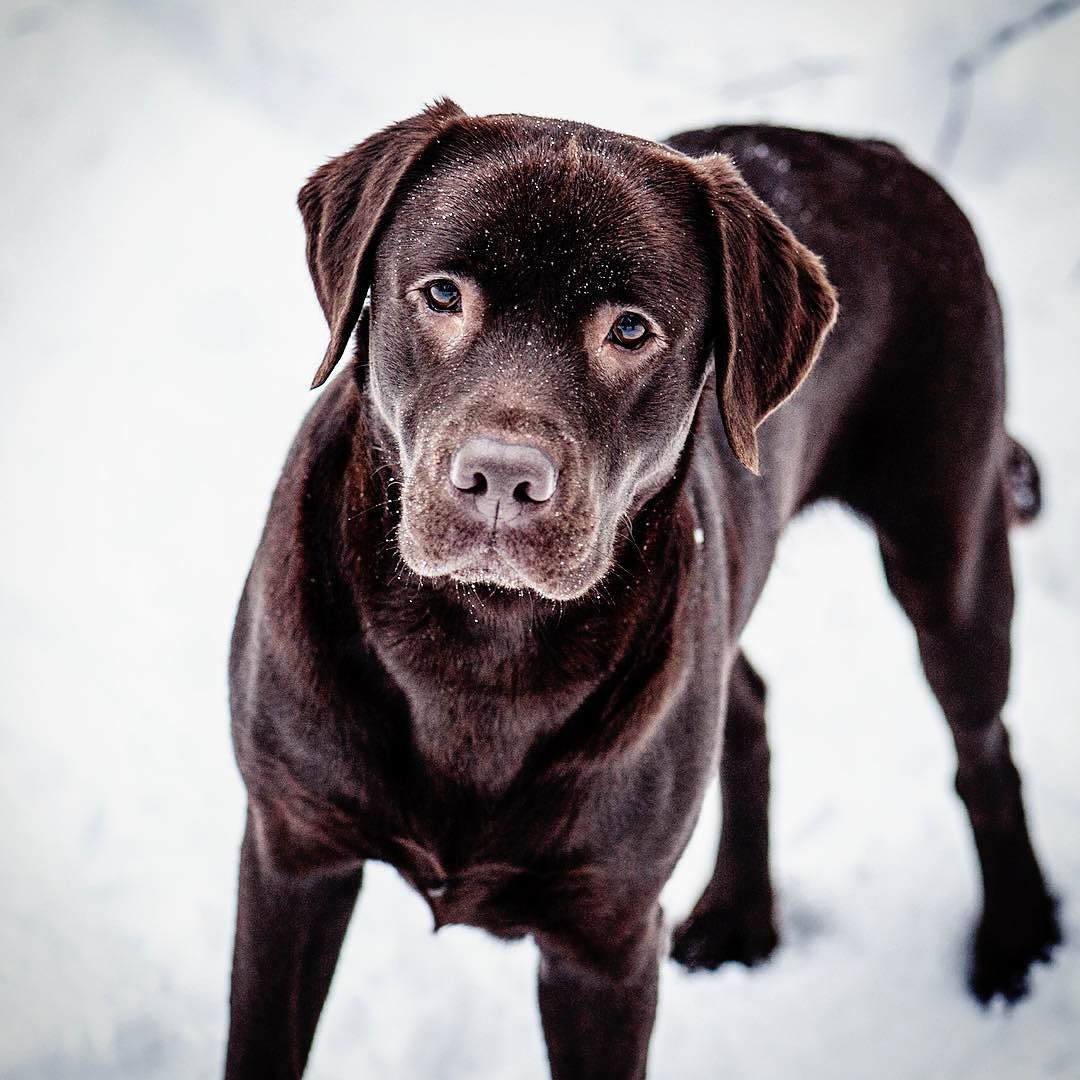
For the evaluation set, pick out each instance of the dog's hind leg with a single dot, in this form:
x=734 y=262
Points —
x=289 y=929
x=947 y=562
x=733 y=920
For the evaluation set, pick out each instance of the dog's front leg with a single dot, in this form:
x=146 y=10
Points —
x=598 y=1019
x=289 y=929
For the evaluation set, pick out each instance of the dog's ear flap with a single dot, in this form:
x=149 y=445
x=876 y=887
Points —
x=344 y=205
x=772 y=306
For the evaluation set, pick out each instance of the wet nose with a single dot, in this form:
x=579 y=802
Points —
x=505 y=478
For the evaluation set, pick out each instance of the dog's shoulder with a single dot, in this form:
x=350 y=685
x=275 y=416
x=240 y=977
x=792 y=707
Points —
x=311 y=479
x=285 y=608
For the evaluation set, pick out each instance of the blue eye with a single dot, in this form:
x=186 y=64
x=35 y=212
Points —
x=443 y=295
x=628 y=330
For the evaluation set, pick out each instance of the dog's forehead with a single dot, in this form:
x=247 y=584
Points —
x=543 y=203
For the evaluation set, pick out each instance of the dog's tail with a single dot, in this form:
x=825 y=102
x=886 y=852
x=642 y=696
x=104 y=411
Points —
x=1023 y=488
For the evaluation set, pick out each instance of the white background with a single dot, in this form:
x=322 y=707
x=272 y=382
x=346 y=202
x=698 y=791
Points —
x=157 y=334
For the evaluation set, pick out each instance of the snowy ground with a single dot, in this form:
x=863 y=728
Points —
x=158 y=331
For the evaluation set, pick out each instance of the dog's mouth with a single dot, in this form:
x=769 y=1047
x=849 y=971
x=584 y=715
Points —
x=495 y=562
x=560 y=554
x=487 y=563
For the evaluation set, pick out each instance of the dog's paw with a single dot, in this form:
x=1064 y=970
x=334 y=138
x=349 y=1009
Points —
x=713 y=936
x=1004 y=953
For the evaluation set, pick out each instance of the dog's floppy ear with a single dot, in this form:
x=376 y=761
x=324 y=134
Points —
x=344 y=205
x=772 y=306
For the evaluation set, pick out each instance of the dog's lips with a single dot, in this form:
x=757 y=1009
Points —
x=492 y=566
x=562 y=565
x=492 y=563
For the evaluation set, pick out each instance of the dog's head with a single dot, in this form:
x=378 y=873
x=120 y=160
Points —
x=546 y=300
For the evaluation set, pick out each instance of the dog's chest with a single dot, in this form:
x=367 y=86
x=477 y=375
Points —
x=482 y=741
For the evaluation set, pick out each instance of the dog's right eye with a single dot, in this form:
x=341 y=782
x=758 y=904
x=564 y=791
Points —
x=443 y=295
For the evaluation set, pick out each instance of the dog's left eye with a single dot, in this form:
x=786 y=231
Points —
x=443 y=295
x=629 y=331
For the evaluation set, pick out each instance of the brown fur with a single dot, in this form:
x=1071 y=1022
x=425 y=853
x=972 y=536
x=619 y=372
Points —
x=522 y=714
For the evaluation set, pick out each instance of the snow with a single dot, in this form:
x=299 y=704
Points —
x=159 y=331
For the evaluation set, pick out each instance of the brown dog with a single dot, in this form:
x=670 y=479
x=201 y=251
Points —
x=491 y=632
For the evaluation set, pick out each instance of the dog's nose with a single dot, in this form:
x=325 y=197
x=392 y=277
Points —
x=504 y=477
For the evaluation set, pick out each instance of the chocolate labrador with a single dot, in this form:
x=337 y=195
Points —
x=491 y=633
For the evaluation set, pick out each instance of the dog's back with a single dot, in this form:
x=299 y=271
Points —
x=911 y=379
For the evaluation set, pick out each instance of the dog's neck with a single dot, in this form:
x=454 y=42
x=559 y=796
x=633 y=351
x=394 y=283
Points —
x=495 y=677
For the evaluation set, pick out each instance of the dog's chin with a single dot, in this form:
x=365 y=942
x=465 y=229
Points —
x=491 y=565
